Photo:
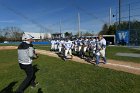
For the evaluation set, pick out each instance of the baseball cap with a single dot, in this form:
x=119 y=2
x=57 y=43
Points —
x=27 y=36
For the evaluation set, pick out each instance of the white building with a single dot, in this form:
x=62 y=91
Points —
x=39 y=36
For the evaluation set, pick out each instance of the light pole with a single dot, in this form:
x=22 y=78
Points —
x=129 y=25
x=60 y=28
x=92 y=33
x=79 y=25
x=119 y=14
x=110 y=13
x=116 y=23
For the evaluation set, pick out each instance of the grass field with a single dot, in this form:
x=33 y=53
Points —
x=57 y=76
x=112 y=50
x=111 y=53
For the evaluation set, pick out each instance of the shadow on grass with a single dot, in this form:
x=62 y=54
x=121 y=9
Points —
x=9 y=88
x=40 y=90
x=60 y=55
x=90 y=60
x=35 y=68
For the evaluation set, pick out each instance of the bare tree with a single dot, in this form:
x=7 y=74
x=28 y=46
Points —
x=12 y=33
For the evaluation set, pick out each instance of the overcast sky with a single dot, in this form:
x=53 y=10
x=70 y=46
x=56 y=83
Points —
x=35 y=15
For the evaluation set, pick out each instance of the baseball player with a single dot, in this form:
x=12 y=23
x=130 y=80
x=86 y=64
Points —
x=84 y=47
x=93 y=47
x=76 y=46
x=52 y=45
x=60 y=45
x=67 y=48
x=79 y=44
x=89 y=46
x=100 y=51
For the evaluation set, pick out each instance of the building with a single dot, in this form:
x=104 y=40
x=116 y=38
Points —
x=39 y=36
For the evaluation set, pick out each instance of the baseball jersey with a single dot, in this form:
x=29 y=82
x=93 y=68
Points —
x=60 y=43
x=102 y=43
x=93 y=44
x=68 y=44
x=85 y=42
x=52 y=42
x=79 y=42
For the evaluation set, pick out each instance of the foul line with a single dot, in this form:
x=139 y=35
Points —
x=130 y=67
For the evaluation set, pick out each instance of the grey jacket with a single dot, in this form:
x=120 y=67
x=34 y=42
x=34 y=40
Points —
x=26 y=53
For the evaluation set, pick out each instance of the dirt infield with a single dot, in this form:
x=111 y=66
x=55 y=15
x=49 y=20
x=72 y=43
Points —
x=7 y=47
x=129 y=67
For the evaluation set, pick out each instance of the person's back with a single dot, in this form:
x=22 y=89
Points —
x=25 y=53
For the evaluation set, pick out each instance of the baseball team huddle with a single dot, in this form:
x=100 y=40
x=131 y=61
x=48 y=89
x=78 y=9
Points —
x=26 y=54
x=94 y=46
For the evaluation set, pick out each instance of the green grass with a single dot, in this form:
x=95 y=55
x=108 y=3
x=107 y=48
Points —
x=43 y=47
x=57 y=76
x=112 y=50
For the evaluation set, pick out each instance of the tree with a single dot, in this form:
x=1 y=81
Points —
x=2 y=39
x=133 y=28
x=111 y=30
x=68 y=35
x=104 y=30
x=11 y=33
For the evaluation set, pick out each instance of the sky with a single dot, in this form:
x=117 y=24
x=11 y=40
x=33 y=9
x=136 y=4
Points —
x=47 y=15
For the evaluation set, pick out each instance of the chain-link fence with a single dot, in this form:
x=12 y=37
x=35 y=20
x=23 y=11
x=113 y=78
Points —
x=134 y=37
x=130 y=15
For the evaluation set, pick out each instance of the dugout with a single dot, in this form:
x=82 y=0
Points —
x=110 y=39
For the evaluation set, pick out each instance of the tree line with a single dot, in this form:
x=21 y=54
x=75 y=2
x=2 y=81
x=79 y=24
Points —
x=10 y=34
x=125 y=25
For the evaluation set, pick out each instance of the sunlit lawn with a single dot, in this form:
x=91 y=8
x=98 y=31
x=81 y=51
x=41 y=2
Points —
x=57 y=76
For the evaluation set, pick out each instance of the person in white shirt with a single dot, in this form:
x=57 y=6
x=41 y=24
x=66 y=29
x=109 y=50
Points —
x=93 y=47
x=52 y=45
x=84 y=47
x=55 y=45
x=79 y=44
x=60 y=43
x=100 y=51
x=67 y=48
x=75 y=46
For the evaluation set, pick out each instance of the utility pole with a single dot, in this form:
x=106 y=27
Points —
x=129 y=17
x=79 y=34
x=116 y=23
x=41 y=30
x=119 y=13
x=116 y=20
x=110 y=15
x=60 y=28
x=129 y=24
x=92 y=33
